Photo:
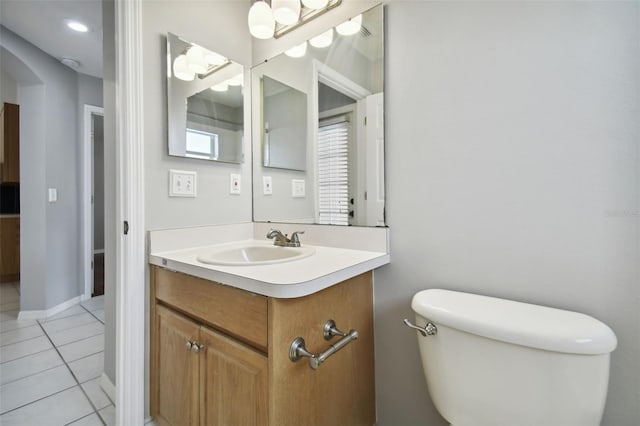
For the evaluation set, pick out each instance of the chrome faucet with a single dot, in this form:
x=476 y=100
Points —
x=281 y=239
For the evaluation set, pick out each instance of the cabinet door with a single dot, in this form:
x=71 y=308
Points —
x=10 y=134
x=9 y=249
x=177 y=369
x=234 y=382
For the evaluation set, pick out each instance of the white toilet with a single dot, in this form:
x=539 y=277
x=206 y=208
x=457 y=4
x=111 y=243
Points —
x=496 y=362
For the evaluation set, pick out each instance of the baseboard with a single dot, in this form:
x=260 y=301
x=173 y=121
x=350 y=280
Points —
x=108 y=387
x=33 y=315
x=149 y=421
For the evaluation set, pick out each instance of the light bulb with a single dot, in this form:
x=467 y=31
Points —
x=315 y=4
x=286 y=12
x=297 y=51
x=261 y=22
x=236 y=80
x=222 y=87
x=213 y=58
x=195 y=60
x=180 y=69
x=350 y=27
x=323 y=40
x=77 y=26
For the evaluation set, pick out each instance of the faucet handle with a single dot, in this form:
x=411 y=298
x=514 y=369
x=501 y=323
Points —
x=294 y=238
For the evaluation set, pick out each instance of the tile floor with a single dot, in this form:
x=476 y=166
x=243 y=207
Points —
x=50 y=369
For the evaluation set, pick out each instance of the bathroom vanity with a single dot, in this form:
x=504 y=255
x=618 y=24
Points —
x=220 y=354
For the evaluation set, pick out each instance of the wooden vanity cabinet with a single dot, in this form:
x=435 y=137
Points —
x=241 y=373
x=194 y=388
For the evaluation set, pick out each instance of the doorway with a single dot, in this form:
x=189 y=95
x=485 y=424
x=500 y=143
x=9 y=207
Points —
x=93 y=196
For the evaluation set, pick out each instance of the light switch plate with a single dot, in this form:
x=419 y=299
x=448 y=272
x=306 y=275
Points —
x=53 y=195
x=267 y=185
x=297 y=188
x=182 y=183
x=235 y=184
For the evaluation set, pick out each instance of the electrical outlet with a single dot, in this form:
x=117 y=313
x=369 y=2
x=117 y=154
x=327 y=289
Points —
x=297 y=188
x=235 y=184
x=182 y=183
x=267 y=185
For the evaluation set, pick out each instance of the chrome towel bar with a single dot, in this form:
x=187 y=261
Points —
x=297 y=350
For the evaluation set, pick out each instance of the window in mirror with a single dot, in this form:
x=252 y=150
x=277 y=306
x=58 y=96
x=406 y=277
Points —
x=205 y=103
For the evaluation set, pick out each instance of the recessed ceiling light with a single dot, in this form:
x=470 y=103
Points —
x=71 y=63
x=77 y=26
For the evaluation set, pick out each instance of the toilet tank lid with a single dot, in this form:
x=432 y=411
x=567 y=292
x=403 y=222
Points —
x=519 y=323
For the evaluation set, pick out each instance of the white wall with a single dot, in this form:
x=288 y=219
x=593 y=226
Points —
x=512 y=171
x=49 y=231
x=8 y=88
x=220 y=26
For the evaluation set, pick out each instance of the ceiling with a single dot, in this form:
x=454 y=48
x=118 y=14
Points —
x=42 y=23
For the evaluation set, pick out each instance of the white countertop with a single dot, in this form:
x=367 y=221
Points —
x=296 y=278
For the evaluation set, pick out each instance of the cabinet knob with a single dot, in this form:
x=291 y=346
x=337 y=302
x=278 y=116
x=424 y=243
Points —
x=189 y=345
x=196 y=347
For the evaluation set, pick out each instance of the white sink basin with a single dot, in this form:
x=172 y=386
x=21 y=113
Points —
x=250 y=255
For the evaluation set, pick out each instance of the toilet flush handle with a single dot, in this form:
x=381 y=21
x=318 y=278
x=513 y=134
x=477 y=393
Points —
x=428 y=330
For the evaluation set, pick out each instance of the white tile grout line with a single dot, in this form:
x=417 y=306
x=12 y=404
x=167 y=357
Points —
x=72 y=375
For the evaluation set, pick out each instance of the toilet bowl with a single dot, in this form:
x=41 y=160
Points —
x=496 y=362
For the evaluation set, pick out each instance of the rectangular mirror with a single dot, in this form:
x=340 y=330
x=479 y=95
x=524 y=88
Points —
x=284 y=133
x=340 y=179
x=204 y=103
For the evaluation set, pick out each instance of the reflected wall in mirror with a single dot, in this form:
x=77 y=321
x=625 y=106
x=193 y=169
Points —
x=344 y=160
x=204 y=103
x=284 y=133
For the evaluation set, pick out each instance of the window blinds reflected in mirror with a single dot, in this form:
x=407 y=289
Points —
x=333 y=170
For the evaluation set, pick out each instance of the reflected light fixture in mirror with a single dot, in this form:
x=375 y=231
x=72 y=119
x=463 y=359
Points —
x=180 y=69
x=350 y=27
x=278 y=17
x=297 y=51
x=196 y=60
x=323 y=40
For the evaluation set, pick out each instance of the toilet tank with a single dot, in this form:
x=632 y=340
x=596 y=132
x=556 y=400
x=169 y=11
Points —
x=498 y=362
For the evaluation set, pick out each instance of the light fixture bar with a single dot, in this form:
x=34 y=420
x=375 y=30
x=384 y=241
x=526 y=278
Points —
x=306 y=15
x=212 y=70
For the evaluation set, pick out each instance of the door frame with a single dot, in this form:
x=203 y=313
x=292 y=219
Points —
x=130 y=246
x=87 y=189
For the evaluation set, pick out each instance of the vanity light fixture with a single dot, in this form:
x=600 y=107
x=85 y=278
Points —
x=286 y=12
x=315 y=4
x=195 y=60
x=297 y=51
x=323 y=40
x=180 y=69
x=262 y=24
x=350 y=27
x=236 y=80
x=213 y=58
x=76 y=26
x=275 y=18
x=222 y=87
